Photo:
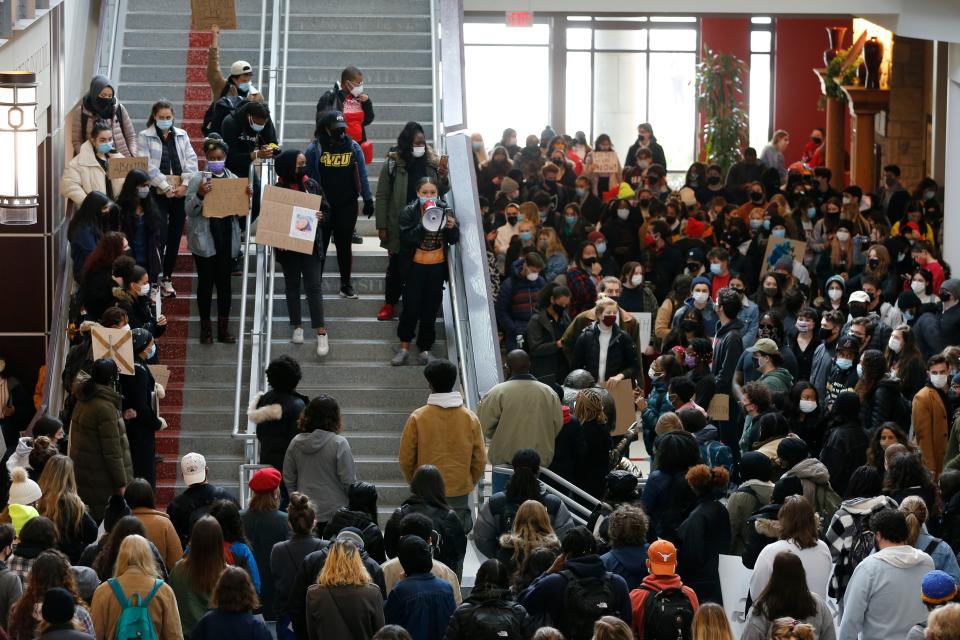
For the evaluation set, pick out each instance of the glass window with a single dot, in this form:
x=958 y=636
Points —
x=673 y=105
x=760 y=41
x=625 y=39
x=579 y=38
x=623 y=19
x=619 y=96
x=672 y=19
x=579 y=75
x=497 y=33
x=493 y=102
x=761 y=20
x=579 y=18
x=673 y=39
x=759 y=107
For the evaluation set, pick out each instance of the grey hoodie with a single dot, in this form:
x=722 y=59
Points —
x=882 y=601
x=320 y=464
x=758 y=626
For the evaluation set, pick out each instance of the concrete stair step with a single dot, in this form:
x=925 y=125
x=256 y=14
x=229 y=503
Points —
x=219 y=395
x=374 y=443
x=316 y=372
x=341 y=350
x=138 y=96
x=333 y=305
x=353 y=328
x=379 y=469
x=301 y=43
x=363 y=283
x=381 y=56
x=355 y=420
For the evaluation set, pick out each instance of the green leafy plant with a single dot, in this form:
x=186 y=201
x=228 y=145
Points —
x=722 y=102
x=836 y=71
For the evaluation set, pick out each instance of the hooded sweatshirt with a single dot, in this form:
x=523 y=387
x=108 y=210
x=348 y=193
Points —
x=778 y=380
x=320 y=464
x=815 y=479
x=882 y=600
x=653 y=584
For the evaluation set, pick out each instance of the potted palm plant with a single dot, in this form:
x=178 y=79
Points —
x=721 y=99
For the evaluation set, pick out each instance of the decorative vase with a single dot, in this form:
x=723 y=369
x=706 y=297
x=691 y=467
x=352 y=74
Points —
x=835 y=35
x=862 y=74
x=872 y=57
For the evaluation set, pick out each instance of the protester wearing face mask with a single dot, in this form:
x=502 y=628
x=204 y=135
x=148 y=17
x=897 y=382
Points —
x=545 y=330
x=213 y=242
x=349 y=98
x=835 y=298
x=713 y=186
x=843 y=372
x=604 y=349
x=140 y=223
x=492 y=173
x=87 y=171
x=646 y=140
x=141 y=420
x=923 y=256
x=133 y=296
x=608 y=264
x=812 y=155
x=805 y=340
x=409 y=161
x=241 y=73
x=636 y=295
x=892 y=197
x=720 y=275
x=838 y=258
x=822 y=189
x=518 y=299
x=509 y=230
x=805 y=417
x=171 y=163
x=336 y=162
x=634 y=169
x=824 y=229
x=655 y=180
x=248 y=132
x=743 y=174
x=591 y=206
x=930 y=417
x=829 y=333
x=904 y=360
x=602 y=181
x=621 y=226
x=699 y=299
x=100 y=104
x=936 y=331
x=551 y=248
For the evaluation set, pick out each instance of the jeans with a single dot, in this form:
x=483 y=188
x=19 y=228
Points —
x=310 y=267
x=213 y=271
x=343 y=220
x=422 y=297
x=172 y=218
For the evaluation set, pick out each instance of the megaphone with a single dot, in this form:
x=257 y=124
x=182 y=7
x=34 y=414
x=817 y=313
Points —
x=433 y=217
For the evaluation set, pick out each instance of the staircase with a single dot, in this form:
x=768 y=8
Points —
x=390 y=42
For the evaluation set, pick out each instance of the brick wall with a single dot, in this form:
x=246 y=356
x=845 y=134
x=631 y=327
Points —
x=903 y=133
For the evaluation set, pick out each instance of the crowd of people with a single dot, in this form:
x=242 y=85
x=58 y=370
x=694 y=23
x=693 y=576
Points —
x=793 y=349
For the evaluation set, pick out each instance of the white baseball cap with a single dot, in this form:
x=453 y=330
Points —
x=193 y=466
x=240 y=67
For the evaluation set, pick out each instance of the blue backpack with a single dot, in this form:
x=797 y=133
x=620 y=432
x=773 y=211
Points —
x=135 y=622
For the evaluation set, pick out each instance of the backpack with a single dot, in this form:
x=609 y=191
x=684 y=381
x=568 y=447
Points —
x=861 y=543
x=716 y=454
x=585 y=600
x=504 y=511
x=667 y=615
x=492 y=623
x=135 y=622
x=218 y=111
x=826 y=501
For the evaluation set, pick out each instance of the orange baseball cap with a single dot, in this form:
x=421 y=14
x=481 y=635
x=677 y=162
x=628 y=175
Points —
x=663 y=558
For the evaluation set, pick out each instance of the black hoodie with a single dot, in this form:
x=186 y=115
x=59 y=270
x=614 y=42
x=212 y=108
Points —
x=243 y=140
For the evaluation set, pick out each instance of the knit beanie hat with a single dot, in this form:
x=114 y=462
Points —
x=21 y=515
x=58 y=606
x=23 y=490
x=625 y=192
x=509 y=185
x=938 y=587
x=791 y=451
x=755 y=466
x=414 y=555
x=953 y=286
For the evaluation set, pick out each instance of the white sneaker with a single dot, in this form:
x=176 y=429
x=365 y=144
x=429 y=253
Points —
x=297 y=336
x=323 y=345
x=166 y=288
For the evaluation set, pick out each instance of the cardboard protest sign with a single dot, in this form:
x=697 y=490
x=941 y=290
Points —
x=116 y=345
x=646 y=324
x=206 y=14
x=118 y=168
x=161 y=374
x=735 y=585
x=622 y=393
x=794 y=248
x=288 y=219
x=228 y=198
x=719 y=408
x=604 y=162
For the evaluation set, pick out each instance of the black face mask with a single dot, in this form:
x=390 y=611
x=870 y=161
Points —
x=512 y=220
x=816 y=139
x=770 y=292
x=688 y=325
x=671 y=220
x=653 y=181
x=825 y=334
x=712 y=180
x=558 y=309
x=833 y=214
x=337 y=135
x=644 y=202
x=103 y=104
x=693 y=267
x=589 y=262
x=874 y=263
x=299 y=174
x=756 y=196
x=858 y=309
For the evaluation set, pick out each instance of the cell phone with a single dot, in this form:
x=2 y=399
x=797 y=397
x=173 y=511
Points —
x=207 y=175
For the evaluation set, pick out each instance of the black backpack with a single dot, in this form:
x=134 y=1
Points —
x=504 y=511
x=585 y=600
x=218 y=111
x=494 y=623
x=667 y=615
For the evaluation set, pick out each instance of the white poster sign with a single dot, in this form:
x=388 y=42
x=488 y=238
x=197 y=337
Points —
x=735 y=585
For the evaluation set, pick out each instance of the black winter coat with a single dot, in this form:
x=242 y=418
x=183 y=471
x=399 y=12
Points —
x=621 y=353
x=594 y=459
x=96 y=292
x=370 y=532
x=543 y=333
x=139 y=311
x=726 y=354
x=881 y=406
x=451 y=544
x=844 y=450
x=490 y=612
x=333 y=100
x=189 y=506
x=949 y=526
x=762 y=529
x=276 y=414
x=141 y=431
x=703 y=536
x=242 y=141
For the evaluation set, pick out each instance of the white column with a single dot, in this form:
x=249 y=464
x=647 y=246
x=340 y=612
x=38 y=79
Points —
x=951 y=206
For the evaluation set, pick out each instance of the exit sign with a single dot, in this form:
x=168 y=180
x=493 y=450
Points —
x=519 y=18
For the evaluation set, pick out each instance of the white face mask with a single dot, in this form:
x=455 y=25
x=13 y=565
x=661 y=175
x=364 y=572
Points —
x=357 y=91
x=623 y=214
x=894 y=344
x=847 y=200
x=843 y=236
x=939 y=380
x=808 y=406
x=532 y=276
x=418 y=152
x=125 y=327
x=653 y=374
x=834 y=294
x=145 y=289
x=803 y=327
x=700 y=297
x=919 y=288
x=636 y=280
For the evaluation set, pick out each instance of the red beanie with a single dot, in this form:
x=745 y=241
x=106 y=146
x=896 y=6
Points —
x=695 y=228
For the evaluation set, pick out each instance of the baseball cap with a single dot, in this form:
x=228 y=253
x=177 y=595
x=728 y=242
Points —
x=848 y=343
x=860 y=296
x=938 y=587
x=193 y=466
x=240 y=67
x=765 y=346
x=697 y=255
x=663 y=558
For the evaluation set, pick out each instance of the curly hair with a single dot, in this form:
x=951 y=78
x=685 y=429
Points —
x=589 y=406
x=627 y=526
x=50 y=569
x=284 y=373
x=704 y=480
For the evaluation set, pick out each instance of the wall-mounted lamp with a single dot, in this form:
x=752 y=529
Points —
x=18 y=148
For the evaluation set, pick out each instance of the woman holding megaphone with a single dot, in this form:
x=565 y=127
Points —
x=427 y=228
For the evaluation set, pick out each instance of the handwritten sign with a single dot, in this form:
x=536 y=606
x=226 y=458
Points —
x=288 y=219
x=605 y=162
x=118 y=167
x=116 y=345
x=228 y=198
x=161 y=374
x=794 y=248
x=719 y=407
x=622 y=393
x=645 y=320
x=206 y=14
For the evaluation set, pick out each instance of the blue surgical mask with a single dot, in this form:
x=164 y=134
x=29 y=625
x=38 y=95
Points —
x=520 y=218
x=716 y=268
x=601 y=247
x=257 y=127
x=766 y=224
x=812 y=212
x=244 y=86
x=570 y=220
x=844 y=363
x=526 y=236
x=756 y=224
x=928 y=195
x=105 y=147
x=581 y=193
x=165 y=125
x=152 y=352
x=907 y=316
x=859 y=370
x=779 y=233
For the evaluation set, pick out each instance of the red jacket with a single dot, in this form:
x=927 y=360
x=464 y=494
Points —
x=656 y=583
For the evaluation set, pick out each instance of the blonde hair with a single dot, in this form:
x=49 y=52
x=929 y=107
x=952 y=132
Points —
x=790 y=629
x=589 y=406
x=710 y=623
x=667 y=422
x=530 y=526
x=611 y=628
x=779 y=135
x=915 y=510
x=527 y=225
x=266 y=501
x=59 y=500
x=135 y=553
x=944 y=623
x=603 y=303
x=554 y=246
x=343 y=567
